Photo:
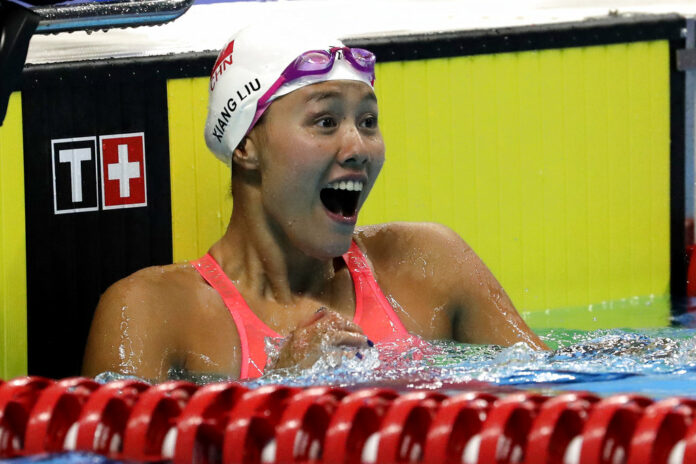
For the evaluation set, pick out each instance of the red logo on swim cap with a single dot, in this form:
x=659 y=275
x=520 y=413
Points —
x=221 y=64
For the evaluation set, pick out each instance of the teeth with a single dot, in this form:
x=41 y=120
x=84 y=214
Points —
x=350 y=185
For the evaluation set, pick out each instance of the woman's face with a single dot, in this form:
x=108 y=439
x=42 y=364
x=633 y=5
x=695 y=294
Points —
x=320 y=151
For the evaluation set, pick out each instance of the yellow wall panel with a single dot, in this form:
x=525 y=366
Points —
x=618 y=167
x=575 y=146
x=534 y=225
x=598 y=179
x=201 y=200
x=560 y=161
x=552 y=176
x=13 y=282
x=553 y=165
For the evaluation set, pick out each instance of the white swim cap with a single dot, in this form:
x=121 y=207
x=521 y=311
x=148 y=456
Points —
x=249 y=64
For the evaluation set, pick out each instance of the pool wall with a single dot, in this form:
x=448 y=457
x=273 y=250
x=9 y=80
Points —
x=557 y=152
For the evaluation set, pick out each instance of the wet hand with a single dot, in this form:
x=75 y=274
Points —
x=324 y=331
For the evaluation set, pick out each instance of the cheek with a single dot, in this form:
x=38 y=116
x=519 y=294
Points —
x=298 y=161
x=290 y=146
x=379 y=157
x=289 y=182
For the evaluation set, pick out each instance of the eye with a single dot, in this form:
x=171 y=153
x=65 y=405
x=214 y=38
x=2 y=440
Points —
x=326 y=122
x=369 y=122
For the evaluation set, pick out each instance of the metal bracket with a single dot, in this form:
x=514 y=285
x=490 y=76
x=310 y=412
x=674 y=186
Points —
x=105 y=14
x=686 y=59
x=686 y=62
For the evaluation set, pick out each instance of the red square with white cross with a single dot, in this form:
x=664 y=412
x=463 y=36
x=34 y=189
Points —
x=123 y=170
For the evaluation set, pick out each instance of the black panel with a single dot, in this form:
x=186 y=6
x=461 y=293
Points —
x=677 y=178
x=72 y=257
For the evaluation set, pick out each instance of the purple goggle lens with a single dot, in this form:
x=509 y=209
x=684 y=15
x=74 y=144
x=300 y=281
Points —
x=320 y=61
x=314 y=62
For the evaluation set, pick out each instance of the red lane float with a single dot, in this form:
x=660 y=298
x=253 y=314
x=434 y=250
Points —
x=405 y=425
x=660 y=429
x=17 y=399
x=300 y=434
x=608 y=431
x=201 y=426
x=53 y=424
x=357 y=418
x=253 y=423
x=153 y=420
x=504 y=434
x=103 y=419
x=560 y=420
x=454 y=434
x=228 y=423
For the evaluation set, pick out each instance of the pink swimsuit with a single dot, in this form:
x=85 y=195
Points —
x=373 y=313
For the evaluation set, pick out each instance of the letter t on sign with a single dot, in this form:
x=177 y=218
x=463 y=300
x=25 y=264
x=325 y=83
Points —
x=75 y=157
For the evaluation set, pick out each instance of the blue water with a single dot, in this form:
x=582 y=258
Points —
x=64 y=458
x=654 y=362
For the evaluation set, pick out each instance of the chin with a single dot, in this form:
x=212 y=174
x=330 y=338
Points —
x=329 y=249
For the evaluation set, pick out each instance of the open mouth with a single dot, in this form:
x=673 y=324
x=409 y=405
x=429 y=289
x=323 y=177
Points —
x=342 y=197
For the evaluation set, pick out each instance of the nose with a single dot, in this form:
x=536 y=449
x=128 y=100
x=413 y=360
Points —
x=353 y=151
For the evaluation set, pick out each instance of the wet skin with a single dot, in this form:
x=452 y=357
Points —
x=282 y=250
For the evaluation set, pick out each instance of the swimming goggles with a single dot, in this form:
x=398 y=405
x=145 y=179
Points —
x=315 y=62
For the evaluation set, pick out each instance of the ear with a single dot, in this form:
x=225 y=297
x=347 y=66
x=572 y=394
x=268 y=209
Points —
x=246 y=155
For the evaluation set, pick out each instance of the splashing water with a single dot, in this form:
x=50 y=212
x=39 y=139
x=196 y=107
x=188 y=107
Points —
x=655 y=362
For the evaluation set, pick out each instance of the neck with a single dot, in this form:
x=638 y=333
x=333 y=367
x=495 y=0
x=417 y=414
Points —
x=258 y=254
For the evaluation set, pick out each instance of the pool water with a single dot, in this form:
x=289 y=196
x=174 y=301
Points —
x=65 y=458
x=655 y=362
x=656 y=356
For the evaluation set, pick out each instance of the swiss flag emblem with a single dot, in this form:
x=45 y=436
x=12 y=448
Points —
x=123 y=170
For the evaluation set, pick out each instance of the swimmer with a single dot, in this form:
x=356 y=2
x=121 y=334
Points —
x=296 y=118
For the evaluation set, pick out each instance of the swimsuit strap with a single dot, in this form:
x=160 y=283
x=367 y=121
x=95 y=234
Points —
x=252 y=331
x=373 y=312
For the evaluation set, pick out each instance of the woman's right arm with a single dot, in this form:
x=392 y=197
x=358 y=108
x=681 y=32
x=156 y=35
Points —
x=127 y=335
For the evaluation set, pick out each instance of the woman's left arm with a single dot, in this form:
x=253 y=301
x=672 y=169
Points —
x=454 y=276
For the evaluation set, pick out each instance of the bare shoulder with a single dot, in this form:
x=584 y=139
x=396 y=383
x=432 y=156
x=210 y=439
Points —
x=414 y=266
x=414 y=244
x=425 y=266
x=444 y=288
x=156 y=281
x=152 y=289
x=408 y=234
x=138 y=319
